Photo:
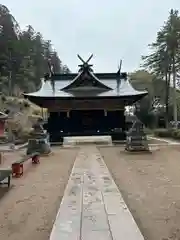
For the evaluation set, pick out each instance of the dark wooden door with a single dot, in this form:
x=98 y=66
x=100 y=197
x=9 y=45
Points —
x=86 y=120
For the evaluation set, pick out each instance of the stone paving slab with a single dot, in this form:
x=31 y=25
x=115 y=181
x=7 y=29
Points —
x=87 y=140
x=92 y=206
x=68 y=220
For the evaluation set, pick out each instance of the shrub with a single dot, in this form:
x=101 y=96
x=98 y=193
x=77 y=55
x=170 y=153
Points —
x=175 y=133
x=24 y=134
x=168 y=133
x=6 y=111
x=3 y=98
x=163 y=132
x=178 y=135
x=26 y=105
x=36 y=112
x=148 y=131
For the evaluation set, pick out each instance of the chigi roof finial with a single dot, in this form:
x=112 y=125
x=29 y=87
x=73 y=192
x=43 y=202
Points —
x=51 y=73
x=85 y=64
x=119 y=75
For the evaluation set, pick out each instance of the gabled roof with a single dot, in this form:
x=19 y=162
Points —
x=87 y=84
x=125 y=89
x=85 y=78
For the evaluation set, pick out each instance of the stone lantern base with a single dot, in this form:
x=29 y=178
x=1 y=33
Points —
x=40 y=145
x=3 y=138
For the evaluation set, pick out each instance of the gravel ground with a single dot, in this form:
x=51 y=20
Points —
x=29 y=208
x=150 y=185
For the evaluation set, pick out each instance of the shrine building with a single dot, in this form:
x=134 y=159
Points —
x=86 y=103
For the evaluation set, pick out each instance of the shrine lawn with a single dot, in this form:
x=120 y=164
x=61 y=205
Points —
x=150 y=185
x=29 y=208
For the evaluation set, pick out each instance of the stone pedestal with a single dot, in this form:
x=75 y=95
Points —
x=3 y=138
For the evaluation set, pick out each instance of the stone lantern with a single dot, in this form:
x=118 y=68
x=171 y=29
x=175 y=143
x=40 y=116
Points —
x=39 y=140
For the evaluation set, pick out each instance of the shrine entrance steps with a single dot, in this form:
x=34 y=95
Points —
x=92 y=206
x=71 y=141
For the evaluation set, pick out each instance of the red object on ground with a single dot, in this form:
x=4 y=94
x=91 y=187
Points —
x=17 y=170
x=17 y=167
x=35 y=159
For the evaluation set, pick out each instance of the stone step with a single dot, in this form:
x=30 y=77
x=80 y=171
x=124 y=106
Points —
x=87 y=140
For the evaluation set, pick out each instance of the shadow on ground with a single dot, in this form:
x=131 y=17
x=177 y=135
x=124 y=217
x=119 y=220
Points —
x=4 y=190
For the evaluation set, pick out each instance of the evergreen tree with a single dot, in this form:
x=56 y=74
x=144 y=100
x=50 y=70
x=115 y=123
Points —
x=24 y=56
x=164 y=59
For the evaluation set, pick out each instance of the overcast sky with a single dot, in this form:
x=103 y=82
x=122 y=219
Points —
x=110 y=29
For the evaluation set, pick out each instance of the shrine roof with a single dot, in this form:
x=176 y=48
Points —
x=86 y=83
x=125 y=89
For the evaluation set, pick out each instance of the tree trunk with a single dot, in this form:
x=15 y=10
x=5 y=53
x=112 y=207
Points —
x=10 y=74
x=167 y=80
x=174 y=92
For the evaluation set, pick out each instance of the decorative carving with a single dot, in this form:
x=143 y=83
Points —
x=85 y=80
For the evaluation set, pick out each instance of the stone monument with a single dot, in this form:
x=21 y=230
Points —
x=136 y=139
x=39 y=140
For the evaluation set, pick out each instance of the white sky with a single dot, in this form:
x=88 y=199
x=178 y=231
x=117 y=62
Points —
x=111 y=30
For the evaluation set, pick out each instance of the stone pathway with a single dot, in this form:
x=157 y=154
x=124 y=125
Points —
x=92 y=206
